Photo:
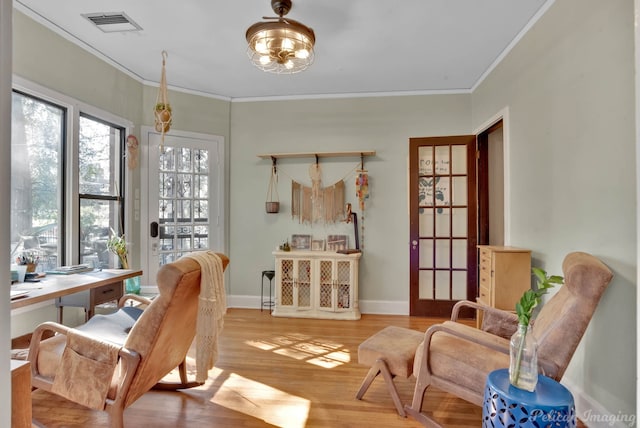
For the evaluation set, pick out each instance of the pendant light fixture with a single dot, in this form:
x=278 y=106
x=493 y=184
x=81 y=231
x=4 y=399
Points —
x=280 y=45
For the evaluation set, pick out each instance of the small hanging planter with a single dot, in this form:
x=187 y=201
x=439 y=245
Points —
x=162 y=110
x=162 y=115
x=272 y=205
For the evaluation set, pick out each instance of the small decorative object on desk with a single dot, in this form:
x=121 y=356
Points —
x=118 y=246
x=523 y=364
x=29 y=259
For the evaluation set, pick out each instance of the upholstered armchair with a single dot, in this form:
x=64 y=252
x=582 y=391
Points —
x=457 y=358
x=112 y=360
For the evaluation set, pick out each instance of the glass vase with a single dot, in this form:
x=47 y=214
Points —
x=523 y=365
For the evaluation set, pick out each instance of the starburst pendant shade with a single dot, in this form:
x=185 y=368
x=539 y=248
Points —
x=281 y=46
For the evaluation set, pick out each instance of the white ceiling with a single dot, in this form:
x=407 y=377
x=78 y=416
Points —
x=362 y=46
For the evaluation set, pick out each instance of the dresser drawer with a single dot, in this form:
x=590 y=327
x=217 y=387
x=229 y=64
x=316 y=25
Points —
x=484 y=294
x=485 y=257
x=485 y=279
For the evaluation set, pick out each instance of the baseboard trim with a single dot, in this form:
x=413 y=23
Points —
x=593 y=414
x=378 y=307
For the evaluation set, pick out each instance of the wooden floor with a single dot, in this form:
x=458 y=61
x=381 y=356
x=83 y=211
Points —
x=280 y=372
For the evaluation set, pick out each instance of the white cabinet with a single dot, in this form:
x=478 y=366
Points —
x=316 y=284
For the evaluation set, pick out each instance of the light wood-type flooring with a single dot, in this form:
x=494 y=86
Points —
x=278 y=372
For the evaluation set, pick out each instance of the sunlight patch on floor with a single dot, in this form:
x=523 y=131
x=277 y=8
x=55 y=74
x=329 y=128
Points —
x=261 y=401
x=326 y=354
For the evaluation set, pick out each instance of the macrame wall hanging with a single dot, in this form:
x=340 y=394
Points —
x=317 y=204
x=162 y=109
x=273 y=205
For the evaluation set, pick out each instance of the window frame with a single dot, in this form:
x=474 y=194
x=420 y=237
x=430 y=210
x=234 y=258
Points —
x=62 y=243
x=70 y=224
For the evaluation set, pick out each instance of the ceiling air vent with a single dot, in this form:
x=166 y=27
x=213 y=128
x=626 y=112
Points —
x=112 y=22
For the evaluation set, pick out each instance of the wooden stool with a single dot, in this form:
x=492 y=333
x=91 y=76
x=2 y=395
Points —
x=391 y=352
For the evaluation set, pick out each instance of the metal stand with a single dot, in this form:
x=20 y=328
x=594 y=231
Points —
x=269 y=274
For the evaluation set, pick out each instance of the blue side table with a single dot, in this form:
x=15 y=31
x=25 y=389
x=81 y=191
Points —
x=549 y=405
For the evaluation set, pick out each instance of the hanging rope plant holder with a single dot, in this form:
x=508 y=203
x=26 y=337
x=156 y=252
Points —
x=162 y=109
x=273 y=205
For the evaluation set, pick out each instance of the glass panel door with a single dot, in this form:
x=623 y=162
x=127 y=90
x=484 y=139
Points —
x=185 y=188
x=442 y=210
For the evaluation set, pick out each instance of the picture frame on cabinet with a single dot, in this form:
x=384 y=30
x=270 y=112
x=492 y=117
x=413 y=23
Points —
x=317 y=245
x=337 y=242
x=300 y=242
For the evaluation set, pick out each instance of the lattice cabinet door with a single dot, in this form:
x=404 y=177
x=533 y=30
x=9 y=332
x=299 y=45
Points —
x=284 y=282
x=302 y=284
x=336 y=285
x=293 y=283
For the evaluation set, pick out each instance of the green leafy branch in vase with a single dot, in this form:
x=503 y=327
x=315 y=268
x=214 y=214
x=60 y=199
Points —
x=118 y=246
x=524 y=309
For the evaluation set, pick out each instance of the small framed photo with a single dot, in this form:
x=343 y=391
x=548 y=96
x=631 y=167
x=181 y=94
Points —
x=337 y=242
x=300 y=242
x=317 y=245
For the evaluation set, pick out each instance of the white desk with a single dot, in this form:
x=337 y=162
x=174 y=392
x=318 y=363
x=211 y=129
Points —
x=98 y=287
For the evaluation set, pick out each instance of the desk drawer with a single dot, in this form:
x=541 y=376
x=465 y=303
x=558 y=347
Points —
x=89 y=298
x=106 y=293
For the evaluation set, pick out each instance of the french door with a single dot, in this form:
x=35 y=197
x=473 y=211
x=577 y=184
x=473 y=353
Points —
x=443 y=223
x=185 y=197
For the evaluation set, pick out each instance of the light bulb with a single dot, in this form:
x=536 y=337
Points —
x=287 y=44
x=265 y=59
x=261 y=46
x=302 y=54
x=288 y=65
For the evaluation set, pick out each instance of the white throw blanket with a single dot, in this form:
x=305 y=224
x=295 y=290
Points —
x=212 y=306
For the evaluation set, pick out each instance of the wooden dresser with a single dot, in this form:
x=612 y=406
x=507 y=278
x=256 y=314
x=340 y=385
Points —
x=504 y=274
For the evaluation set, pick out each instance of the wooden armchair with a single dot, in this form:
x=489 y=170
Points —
x=112 y=360
x=457 y=358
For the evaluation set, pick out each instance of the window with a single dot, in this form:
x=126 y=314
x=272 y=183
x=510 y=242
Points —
x=60 y=213
x=37 y=141
x=100 y=197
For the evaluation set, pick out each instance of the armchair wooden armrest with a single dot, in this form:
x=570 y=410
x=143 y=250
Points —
x=506 y=315
x=471 y=335
x=140 y=299
x=495 y=321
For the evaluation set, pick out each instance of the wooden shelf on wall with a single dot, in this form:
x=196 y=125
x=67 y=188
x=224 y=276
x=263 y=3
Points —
x=316 y=155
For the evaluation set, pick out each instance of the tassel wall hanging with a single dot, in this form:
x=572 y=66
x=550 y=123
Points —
x=362 y=192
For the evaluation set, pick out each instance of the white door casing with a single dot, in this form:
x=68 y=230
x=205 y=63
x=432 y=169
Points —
x=183 y=193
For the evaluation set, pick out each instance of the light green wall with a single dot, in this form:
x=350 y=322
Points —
x=356 y=124
x=569 y=87
x=45 y=58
